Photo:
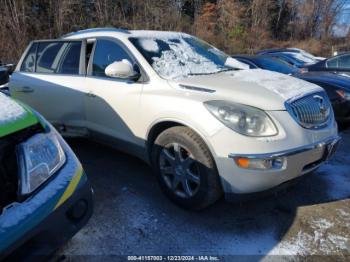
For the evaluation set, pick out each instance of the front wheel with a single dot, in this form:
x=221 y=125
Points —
x=185 y=168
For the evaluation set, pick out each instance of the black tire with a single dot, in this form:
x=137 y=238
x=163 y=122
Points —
x=203 y=193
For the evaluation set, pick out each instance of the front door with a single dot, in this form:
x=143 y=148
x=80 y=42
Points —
x=112 y=104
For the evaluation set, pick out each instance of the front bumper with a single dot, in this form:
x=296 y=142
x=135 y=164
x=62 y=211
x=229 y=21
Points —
x=43 y=222
x=298 y=161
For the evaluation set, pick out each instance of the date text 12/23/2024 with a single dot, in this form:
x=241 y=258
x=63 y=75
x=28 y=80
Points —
x=173 y=258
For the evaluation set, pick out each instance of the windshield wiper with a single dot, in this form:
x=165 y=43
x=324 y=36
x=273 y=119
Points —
x=212 y=73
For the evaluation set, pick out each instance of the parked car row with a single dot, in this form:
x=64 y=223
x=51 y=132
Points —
x=336 y=86
x=294 y=56
x=298 y=58
x=207 y=124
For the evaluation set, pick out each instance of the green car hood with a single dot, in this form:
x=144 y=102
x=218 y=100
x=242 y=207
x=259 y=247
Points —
x=14 y=116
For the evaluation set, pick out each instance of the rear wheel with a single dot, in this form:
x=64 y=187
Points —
x=185 y=168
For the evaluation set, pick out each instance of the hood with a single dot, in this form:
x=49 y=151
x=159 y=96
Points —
x=259 y=88
x=338 y=80
x=14 y=116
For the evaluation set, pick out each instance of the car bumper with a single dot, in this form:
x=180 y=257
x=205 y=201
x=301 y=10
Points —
x=46 y=220
x=296 y=162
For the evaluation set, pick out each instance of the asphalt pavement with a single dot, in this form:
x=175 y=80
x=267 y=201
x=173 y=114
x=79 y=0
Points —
x=133 y=217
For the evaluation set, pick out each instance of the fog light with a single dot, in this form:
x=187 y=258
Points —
x=78 y=210
x=259 y=163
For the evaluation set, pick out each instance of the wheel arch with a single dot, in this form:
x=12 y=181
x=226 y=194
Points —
x=160 y=126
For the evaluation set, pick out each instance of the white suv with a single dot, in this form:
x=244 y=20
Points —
x=206 y=126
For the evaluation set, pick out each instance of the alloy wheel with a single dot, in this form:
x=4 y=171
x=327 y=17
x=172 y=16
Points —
x=179 y=170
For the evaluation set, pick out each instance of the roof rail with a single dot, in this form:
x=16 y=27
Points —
x=97 y=29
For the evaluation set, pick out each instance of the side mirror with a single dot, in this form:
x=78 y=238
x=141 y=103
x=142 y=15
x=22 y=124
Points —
x=10 y=68
x=122 y=69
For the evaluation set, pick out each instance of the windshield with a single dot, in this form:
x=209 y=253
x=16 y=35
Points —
x=182 y=56
x=277 y=65
x=301 y=57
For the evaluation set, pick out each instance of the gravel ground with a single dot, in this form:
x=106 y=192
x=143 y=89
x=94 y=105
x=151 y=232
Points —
x=133 y=217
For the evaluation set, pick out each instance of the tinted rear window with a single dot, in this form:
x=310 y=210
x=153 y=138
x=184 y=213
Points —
x=53 y=57
x=28 y=64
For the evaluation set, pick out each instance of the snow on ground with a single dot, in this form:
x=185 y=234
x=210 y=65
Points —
x=132 y=216
x=10 y=111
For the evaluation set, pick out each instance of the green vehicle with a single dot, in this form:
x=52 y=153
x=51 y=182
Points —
x=45 y=196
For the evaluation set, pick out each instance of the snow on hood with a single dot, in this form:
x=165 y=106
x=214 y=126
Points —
x=285 y=86
x=10 y=110
x=255 y=87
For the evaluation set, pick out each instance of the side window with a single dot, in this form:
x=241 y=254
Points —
x=339 y=62
x=48 y=55
x=70 y=61
x=333 y=63
x=28 y=64
x=107 y=52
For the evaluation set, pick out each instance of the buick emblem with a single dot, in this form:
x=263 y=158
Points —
x=321 y=103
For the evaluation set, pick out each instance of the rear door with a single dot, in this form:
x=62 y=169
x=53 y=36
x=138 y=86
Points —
x=51 y=79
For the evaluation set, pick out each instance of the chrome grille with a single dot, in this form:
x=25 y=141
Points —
x=311 y=111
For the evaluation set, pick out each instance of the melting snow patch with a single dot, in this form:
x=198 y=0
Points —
x=320 y=241
x=285 y=86
x=149 y=45
x=10 y=110
x=181 y=60
x=322 y=223
x=339 y=241
x=298 y=246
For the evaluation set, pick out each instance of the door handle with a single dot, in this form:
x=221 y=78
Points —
x=25 y=89
x=90 y=94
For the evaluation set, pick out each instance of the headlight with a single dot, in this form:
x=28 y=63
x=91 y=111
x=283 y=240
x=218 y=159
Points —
x=39 y=157
x=246 y=120
x=343 y=94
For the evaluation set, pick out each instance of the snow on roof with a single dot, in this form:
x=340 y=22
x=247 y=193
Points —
x=157 y=34
x=10 y=111
x=91 y=32
x=286 y=86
